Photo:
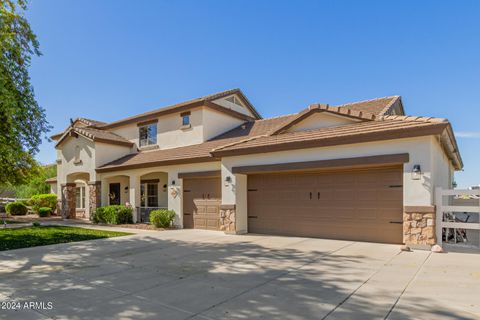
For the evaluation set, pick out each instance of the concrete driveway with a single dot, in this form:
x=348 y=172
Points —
x=194 y=274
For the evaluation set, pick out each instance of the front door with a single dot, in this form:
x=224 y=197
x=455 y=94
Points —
x=114 y=194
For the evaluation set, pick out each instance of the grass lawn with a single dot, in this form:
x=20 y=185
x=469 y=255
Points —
x=44 y=235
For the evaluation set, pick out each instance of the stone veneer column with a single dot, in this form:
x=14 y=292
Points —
x=227 y=218
x=94 y=196
x=419 y=226
x=68 y=201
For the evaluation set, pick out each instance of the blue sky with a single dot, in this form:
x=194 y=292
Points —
x=106 y=60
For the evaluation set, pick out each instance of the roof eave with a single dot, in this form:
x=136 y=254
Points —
x=433 y=129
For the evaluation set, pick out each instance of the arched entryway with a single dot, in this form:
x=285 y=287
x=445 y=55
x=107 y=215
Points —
x=75 y=196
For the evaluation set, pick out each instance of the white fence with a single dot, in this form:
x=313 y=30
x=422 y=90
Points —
x=447 y=213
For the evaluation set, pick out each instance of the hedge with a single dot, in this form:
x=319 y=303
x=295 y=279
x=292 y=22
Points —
x=16 y=209
x=115 y=214
x=44 y=212
x=48 y=200
x=162 y=218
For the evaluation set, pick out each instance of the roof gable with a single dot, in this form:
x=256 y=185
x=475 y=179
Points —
x=93 y=134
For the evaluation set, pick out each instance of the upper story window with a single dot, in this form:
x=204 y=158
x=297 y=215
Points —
x=185 y=119
x=148 y=134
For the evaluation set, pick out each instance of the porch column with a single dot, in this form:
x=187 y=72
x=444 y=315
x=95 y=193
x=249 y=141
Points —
x=134 y=199
x=94 y=196
x=68 y=201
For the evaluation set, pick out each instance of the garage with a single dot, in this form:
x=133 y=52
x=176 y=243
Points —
x=201 y=202
x=356 y=204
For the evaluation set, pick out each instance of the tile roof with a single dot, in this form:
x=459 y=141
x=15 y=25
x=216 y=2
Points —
x=267 y=135
x=378 y=106
x=197 y=101
x=197 y=152
x=97 y=135
x=388 y=127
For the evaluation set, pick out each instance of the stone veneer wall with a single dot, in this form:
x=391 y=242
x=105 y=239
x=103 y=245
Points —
x=94 y=197
x=227 y=218
x=419 y=226
x=68 y=201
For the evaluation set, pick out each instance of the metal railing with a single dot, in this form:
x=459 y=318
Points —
x=449 y=225
x=143 y=213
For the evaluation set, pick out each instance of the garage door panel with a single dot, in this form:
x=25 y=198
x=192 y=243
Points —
x=201 y=202
x=353 y=205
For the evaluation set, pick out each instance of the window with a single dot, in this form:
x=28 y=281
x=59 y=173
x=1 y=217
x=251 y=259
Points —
x=149 y=195
x=185 y=119
x=148 y=135
x=80 y=197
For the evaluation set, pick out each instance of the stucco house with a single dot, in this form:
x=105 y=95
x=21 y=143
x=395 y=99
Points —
x=360 y=171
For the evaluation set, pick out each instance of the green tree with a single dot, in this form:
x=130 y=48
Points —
x=36 y=184
x=22 y=121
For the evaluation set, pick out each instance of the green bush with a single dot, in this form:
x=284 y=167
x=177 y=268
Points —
x=36 y=223
x=44 y=200
x=115 y=214
x=44 y=212
x=16 y=209
x=162 y=218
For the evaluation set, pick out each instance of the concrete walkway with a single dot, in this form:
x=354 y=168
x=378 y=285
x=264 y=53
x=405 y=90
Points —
x=194 y=274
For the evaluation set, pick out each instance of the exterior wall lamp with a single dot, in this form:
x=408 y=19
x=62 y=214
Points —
x=173 y=182
x=228 y=180
x=416 y=172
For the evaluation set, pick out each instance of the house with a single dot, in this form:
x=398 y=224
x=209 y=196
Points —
x=360 y=171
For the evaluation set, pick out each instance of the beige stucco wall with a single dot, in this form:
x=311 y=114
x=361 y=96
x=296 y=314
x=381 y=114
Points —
x=66 y=155
x=320 y=120
x=227 y=104
x=216 y=123
x=105 y=153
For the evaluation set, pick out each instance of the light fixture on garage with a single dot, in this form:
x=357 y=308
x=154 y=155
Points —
x=416 y=172
x=173 y=182
x=228 y=180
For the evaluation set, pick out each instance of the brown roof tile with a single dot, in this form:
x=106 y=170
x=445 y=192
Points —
x=354 y=133
x=97 y=135
x=378 y=106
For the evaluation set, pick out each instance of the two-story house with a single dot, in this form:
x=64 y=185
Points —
x=361 y=171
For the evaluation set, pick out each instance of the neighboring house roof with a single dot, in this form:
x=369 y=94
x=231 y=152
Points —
x=51 y=180
x=95 y=135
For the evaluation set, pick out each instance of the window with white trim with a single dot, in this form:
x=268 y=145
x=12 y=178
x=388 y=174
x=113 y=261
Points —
x=148 y=135
x=80 y=197
x=149 y=195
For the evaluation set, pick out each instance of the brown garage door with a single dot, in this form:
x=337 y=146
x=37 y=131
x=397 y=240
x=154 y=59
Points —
x=363 y=205
x=201 y=203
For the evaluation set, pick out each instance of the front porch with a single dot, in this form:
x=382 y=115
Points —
x=143 y=192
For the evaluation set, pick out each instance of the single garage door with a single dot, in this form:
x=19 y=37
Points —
x=362 y=205
x=201 y=203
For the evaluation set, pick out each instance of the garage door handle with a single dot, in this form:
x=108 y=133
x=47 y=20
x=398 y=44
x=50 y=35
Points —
x=252 y=217
x=187 y=214
x=397 y=222
x=318 y=195
x=310 y=196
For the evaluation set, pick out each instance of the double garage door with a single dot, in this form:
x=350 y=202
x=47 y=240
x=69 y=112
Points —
x=363 y=205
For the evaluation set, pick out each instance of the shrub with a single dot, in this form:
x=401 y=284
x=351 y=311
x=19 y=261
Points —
x=162 y=218
x=16 y=209
x=113 y=215
x=36 y=223
x=44 y=212
x=44 y=200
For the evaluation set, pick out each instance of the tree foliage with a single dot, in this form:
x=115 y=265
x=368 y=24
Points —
x=22 y=121
x=36 y=183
